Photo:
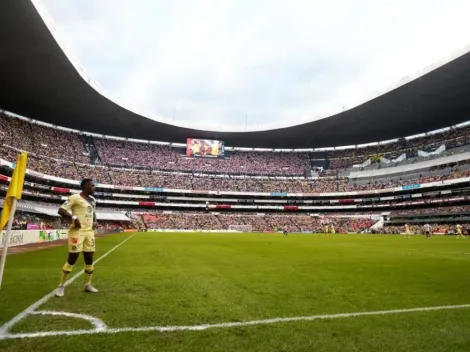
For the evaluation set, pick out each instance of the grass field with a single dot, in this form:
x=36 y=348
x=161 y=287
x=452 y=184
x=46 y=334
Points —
x=174 y=280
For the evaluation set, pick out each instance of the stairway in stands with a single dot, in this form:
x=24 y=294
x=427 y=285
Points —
x=92 y=150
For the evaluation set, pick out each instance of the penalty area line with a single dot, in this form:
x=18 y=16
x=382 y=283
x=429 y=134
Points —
x=7 y=326
x=229 y=325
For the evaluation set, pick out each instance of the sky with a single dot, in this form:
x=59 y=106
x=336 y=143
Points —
x=245 y=65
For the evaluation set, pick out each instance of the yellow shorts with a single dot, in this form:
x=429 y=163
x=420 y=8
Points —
x=459 y=232
x=81 y=241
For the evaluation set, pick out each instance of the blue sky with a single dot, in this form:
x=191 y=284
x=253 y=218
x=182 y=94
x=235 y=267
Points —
x=212 y=63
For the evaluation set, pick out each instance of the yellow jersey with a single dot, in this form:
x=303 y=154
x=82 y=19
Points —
x=83 y=209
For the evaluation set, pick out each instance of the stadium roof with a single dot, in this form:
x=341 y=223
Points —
x=37 y=80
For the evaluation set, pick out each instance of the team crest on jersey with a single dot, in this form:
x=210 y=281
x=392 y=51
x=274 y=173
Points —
x=75 y=240
x=89 y=209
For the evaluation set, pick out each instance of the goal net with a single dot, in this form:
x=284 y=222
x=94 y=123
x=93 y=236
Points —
x=241 y=228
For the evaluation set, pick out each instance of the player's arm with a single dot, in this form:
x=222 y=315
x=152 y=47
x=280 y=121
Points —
x=66 y=212
x=95 y=223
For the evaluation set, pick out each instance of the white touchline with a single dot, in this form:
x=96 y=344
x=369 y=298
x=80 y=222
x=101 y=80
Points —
x=228 y=325
x=7 y=326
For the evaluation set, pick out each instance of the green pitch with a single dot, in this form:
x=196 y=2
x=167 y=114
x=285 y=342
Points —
x=165 y=280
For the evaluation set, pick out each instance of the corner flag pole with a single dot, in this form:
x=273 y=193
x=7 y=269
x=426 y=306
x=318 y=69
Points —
x=5 y=240
x=14 y=193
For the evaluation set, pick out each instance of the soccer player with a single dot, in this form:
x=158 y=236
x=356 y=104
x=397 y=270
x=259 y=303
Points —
x=407 y=231
x=327 y=229
x=427 y=231
x=80 y=208
x=332 y=230
x=285 y=232
x=459 y=231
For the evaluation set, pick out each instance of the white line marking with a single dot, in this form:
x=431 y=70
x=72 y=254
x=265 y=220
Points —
x=7 y=326
x=229 y=325
x=97 y=323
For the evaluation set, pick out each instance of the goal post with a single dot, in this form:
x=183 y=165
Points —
x=241 y=228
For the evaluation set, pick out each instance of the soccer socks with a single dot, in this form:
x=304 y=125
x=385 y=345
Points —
x=88 y=274
x=66 y=270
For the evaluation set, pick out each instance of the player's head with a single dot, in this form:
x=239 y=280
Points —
x=88 y=186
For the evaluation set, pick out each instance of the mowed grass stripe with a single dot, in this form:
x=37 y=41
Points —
x=32 y=275
x=192 y=279
x=168 y=278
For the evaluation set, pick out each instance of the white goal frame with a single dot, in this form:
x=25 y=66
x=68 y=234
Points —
x=241 y=228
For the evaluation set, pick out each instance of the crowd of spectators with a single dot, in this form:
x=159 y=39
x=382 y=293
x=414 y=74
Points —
x=65 y=145
x=258 y=223
x=419 y=229
x=422 y=143
x=41 y=140
x=145 y=178
x=436 y=210
x=60 y=153
x=22 y=219
x=152 y=156
x=111 y=226
x=59 y=144
x=454 y=138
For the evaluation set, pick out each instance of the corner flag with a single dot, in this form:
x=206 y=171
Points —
x=15 y=189
x=14 y=193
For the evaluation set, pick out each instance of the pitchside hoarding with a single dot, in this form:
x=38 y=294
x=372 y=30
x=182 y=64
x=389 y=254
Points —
x=22 y=237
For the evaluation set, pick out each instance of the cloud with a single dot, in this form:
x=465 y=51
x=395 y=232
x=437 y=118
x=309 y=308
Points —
x=211 y=63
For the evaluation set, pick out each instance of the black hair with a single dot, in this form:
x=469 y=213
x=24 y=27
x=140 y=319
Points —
x=84 y=182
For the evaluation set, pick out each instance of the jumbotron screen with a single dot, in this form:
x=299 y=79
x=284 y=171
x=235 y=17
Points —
x=204 y=148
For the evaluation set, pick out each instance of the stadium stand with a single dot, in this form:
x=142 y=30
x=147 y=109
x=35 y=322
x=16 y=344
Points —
x=452 y=139
x=259 y=223
x=273 y=182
